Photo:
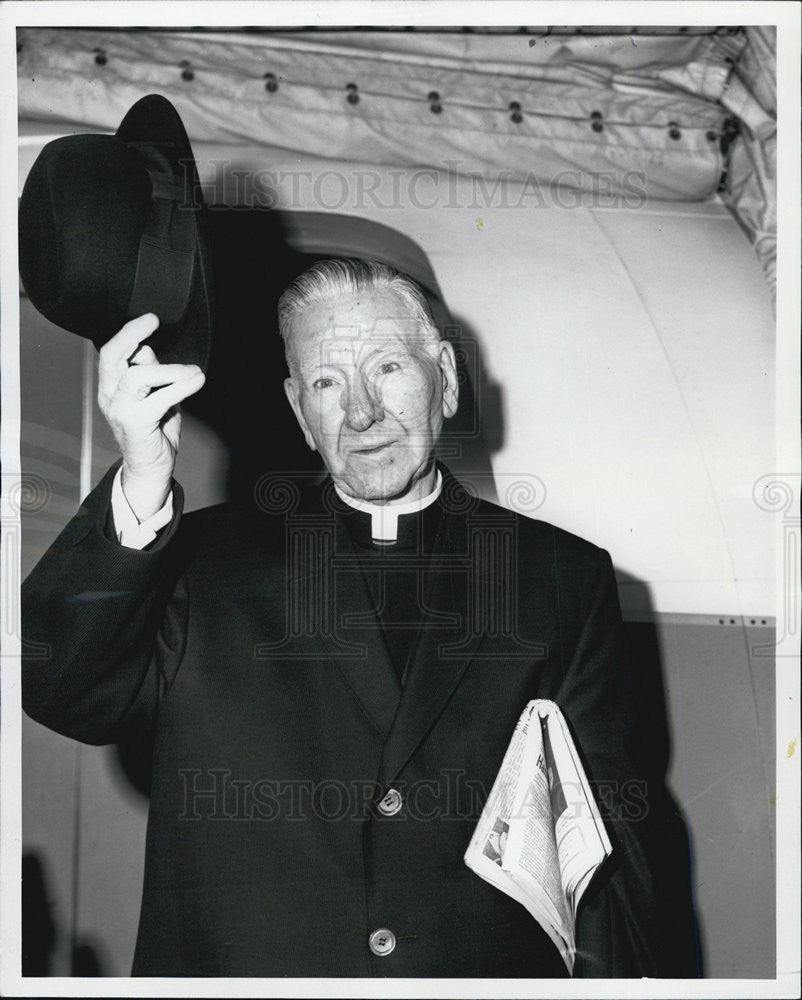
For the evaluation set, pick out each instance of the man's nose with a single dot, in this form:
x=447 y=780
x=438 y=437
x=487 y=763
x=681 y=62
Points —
x=361 y=406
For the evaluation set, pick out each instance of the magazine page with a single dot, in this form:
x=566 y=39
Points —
x=540 y=838
x=528 y=871
x=531 y=855
x=487 y=848
x=582 y=841
x=489 y=837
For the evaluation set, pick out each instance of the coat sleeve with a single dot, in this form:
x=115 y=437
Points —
x=636 y=918
x=104 y=625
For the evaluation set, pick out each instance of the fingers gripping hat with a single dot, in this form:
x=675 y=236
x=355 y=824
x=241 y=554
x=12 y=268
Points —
x=112 y=226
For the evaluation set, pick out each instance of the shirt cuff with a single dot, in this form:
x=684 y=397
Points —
x=129 y=531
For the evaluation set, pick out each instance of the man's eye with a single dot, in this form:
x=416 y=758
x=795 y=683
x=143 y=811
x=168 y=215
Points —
x=386 y=367
x=323 y=383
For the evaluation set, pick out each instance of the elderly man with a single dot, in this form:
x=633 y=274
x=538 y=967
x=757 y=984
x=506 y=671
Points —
x=331 y=675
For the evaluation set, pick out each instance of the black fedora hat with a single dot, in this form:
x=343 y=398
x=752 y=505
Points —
x=113 y=226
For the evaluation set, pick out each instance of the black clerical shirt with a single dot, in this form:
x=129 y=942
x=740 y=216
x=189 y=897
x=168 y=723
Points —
x=394 y=573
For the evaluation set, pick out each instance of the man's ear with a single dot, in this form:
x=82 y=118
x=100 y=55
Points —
x=448 y=370
x=293 y=395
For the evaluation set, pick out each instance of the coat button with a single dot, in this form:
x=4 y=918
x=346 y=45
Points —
x=391 y=803
x=382 y=942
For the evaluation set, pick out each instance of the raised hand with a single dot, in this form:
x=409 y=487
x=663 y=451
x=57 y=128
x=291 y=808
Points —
x=140 y=400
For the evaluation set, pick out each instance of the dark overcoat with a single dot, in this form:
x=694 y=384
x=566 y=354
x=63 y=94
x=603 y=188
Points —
x=245 y=642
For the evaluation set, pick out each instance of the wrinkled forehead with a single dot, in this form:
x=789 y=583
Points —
x=354 y=326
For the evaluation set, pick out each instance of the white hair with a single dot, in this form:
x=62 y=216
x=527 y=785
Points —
x=331 y=279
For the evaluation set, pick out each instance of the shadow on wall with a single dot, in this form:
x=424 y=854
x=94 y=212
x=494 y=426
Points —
x=675 y=874
x=41 y=935
x=484 y=394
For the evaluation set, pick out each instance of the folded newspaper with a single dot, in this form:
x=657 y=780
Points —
x=540 y=837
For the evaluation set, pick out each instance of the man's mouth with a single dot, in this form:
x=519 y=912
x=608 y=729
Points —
x=372 y=449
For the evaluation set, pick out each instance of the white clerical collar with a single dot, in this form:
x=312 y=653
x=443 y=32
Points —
x=384 y=517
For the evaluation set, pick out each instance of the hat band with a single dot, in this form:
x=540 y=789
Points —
x=166 y=258
x=162 y=283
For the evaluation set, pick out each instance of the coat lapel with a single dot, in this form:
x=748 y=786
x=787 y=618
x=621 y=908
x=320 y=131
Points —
x=447 y=641
x=366 y=666
x=330 y=614
x=349 y=633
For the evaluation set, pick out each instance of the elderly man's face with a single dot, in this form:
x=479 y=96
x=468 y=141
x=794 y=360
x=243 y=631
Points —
x=370 y=391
